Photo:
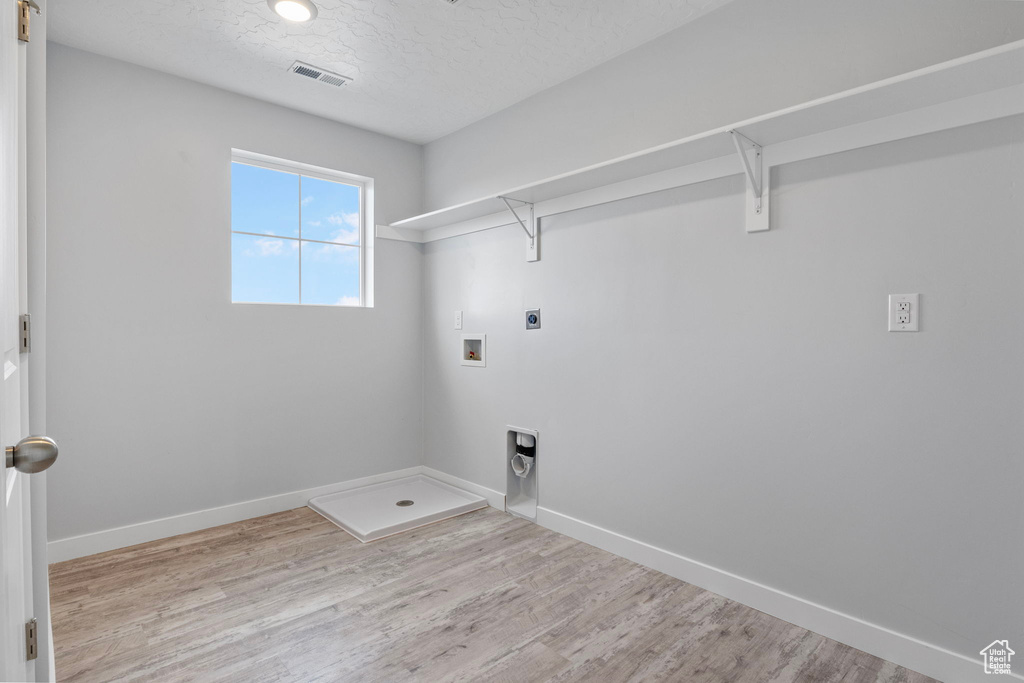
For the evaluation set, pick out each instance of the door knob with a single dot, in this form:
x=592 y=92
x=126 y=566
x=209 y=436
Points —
x=32 y=454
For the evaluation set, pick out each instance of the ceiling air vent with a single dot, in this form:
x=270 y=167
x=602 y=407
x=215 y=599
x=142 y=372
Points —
x=310 y=71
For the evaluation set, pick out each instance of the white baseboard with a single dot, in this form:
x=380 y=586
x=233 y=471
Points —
x=143 y=532
x=876 y=640
x=495 y=499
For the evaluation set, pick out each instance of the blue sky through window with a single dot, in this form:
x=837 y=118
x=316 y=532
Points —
x=330 y=274
x=264 y=201
x=264 y=269
x=273 y=205
x=330 y=211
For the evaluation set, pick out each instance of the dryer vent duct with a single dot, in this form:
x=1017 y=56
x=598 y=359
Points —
x=322 y=75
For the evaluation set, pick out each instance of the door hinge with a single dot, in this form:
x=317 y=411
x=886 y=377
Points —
x=23 y=14
x=31 y=646
x=25 y=330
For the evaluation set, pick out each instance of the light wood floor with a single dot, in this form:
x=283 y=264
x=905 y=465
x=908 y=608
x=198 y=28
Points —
x=483 y=597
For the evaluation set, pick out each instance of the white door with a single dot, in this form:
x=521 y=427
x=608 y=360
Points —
x=16 y=593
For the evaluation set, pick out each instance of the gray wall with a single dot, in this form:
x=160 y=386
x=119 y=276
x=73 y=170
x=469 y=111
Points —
x=165 y=397
x=748 y=58
x=736 y=398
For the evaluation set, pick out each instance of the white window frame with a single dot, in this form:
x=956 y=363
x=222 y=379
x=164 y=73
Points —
x=365 y=185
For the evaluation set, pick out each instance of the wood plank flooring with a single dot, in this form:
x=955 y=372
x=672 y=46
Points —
x=482 y=597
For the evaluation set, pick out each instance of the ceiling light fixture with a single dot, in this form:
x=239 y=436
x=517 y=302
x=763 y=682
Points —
x=294 y=10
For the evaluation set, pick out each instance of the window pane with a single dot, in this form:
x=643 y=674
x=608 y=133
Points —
x=264 y=201
x=330 y=274
x=264 y=269
x=330 y=211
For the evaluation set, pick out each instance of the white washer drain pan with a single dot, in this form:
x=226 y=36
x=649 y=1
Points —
x=372 y=512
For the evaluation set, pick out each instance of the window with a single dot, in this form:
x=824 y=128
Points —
x=298 y=233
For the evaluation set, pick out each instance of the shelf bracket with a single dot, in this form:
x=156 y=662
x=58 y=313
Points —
x=757 y=185
x=532 y=249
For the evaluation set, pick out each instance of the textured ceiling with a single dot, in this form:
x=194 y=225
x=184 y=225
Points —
x=421 y=68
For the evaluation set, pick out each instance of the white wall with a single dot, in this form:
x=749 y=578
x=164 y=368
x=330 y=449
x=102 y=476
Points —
x=769 y=424
x=164 y=396
x=748 y=58
x=736 y=398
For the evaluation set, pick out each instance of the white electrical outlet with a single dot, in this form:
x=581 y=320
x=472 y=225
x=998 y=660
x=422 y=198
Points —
x=904 y=312
x=458 y=320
